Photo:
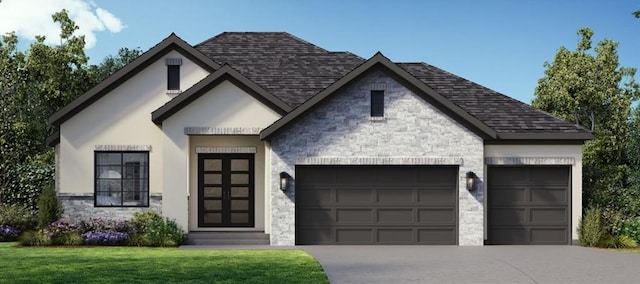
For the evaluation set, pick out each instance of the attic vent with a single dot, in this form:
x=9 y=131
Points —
x=378 y=86
x=173 y=61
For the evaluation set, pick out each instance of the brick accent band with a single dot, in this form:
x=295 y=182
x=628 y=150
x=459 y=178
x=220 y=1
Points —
x=222 y=131
x=529 y=161
x=225 y=149
x=122 y=147
x=378 y=161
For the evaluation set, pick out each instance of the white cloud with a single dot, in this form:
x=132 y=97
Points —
x=33 y=17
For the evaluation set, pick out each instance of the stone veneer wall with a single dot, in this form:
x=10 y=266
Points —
x=79 y=207
x=341 y=131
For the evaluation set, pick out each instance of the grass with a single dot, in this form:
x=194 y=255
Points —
x=155 y=265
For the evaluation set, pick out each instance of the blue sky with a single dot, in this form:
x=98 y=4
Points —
x=501 y=44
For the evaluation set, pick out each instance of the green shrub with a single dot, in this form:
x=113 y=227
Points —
x=49 y=207
x=591 y=229
x=63 y=233
x=631 y=228
x=35 y=238
x=142 y=219
x=613 y=220
x=18 y=217
x=164 y=233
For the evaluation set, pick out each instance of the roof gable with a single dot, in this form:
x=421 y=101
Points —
x=379 y=60
x=172 y=42
x=223 y=74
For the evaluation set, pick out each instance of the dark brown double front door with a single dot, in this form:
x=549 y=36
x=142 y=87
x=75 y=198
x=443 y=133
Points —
x=225 y=190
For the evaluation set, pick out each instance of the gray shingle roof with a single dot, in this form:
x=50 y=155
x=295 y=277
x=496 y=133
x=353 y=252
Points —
x=500 y=112
x=295 y=70
x=288 y=67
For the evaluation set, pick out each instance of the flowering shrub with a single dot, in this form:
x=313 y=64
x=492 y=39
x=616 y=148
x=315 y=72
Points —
x=8 y=234
x=63 y=233
x=105 y=225
x=105 y=238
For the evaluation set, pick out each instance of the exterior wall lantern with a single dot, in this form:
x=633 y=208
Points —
x=284 y=181
x=471 y=181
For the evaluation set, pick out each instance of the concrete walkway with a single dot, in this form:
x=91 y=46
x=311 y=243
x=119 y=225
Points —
x=489 y=264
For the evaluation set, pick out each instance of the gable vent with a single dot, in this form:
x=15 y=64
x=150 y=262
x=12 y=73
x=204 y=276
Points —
x=173 y=61
x=378 y=86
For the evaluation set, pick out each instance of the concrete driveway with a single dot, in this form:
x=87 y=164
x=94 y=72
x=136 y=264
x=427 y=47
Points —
x=489 y=264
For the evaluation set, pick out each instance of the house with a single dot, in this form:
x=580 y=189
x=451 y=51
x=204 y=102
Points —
x=267 y=132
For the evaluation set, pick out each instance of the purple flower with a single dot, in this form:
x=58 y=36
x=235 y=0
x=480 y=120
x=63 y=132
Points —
x=8 y=234
x=105 y=238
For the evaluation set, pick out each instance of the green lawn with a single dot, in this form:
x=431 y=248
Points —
x=155 y=265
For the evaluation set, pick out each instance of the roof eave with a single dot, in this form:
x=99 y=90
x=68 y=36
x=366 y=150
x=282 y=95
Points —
x=565 y=137
x=170 y=43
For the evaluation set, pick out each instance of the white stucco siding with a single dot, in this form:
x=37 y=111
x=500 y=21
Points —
x=225 y=106
x=121 y=117
x=570 y=155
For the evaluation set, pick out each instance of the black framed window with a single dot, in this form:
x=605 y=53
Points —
x=122 y=179
x=173 y=77
x=377 y=103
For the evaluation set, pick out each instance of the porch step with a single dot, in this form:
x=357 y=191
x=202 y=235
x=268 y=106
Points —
x=226 y=238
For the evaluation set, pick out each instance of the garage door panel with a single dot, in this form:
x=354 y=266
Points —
x=355 y=176
x=508 y=196
x=308 y=236
x=392 y=236
x=550 y=176
x=395 y=216
x=548 y=235
x=377 y=205
x=393 y=176
x=549 y=216
x=394 y=196
x=437 y=176
x=502 y=236
x=436 y=236
x=315 y=217
x=318 y=177
x=436 y=196
x=508 y=216
x=354 y=216
x=512 y=176
x=549 y=195
x=353 y=196
x=354 y=236
x=314 y=197
x=437 y=216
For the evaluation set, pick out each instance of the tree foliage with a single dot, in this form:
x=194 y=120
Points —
x=34 y=84
x=589 y=87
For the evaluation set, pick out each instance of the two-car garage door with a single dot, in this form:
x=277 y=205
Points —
x=376 y=204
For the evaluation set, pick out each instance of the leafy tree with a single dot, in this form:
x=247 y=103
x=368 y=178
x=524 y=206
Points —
x=111 y=63
x=589 y=87
x=33 y=85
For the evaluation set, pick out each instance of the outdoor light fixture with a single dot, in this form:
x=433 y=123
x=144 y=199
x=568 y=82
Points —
x=471 y=181
x=284 y=181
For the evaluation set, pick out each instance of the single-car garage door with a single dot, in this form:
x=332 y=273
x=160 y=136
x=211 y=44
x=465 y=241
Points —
x=528 y=205
x=376 y=204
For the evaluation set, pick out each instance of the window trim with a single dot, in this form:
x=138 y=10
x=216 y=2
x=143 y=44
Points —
x=122 y=202
x=377 y=104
